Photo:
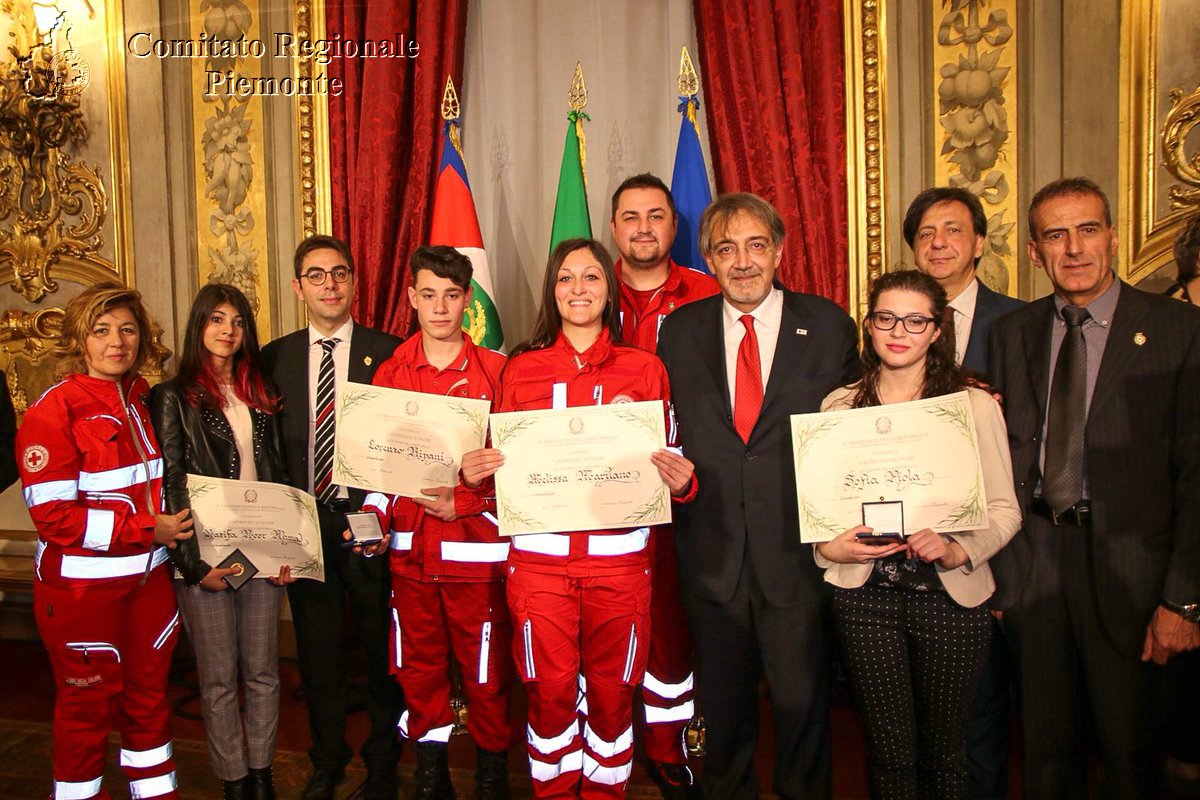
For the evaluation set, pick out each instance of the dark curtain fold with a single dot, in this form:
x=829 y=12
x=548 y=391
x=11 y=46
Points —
x=384 y=131
x=774 y=79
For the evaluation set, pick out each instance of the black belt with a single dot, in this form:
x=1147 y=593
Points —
x=1078 y=515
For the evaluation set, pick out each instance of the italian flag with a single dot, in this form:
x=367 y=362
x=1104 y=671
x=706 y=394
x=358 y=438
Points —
x=571 y=217
x=456 y=224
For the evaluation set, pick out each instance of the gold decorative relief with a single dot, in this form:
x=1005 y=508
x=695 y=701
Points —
x=865 y=152
x=231 y=199
x=1160 y=140
x=975 y=59
x=52 y=205
x=312 y=125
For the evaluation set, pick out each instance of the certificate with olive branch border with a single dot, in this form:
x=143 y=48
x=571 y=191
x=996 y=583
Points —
x=580 y=469
x=400 y=442
x=923 y=453
x=270 y=523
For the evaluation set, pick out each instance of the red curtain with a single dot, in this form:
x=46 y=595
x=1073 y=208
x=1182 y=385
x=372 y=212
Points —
x=774 y=76
x=384 y=131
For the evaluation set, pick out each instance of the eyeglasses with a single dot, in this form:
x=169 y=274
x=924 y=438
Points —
x=317 y=276
x=886 y=320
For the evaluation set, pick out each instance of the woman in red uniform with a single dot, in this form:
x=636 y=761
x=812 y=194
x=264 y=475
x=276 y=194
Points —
x=580 y=601
x=92 y=472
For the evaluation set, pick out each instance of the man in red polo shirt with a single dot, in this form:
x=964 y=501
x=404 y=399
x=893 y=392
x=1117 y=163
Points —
x=652 y=286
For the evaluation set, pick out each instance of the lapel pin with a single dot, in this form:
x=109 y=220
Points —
x=671 y=306
x=367 y=360
x=802 y=331
x=1139 y=338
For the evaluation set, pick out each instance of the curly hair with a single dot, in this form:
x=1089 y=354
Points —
x=942 y=375
x=80 y=317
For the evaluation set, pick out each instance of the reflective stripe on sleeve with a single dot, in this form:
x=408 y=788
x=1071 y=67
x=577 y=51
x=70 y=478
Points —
x=49 y=491
x=119 y=478
x=99 y=531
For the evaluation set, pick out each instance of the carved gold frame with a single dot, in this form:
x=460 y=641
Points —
x=1146 y=242
x=312 y=126
x=866 y=111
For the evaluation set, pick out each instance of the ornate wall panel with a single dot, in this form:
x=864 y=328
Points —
x=312 y=125
x=228 y=142
x=866 y=110
x=1160 y=140
x=975 y=94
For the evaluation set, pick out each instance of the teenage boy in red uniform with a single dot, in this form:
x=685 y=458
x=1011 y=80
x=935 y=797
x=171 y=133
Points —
x=447 y=560
x=644 y=224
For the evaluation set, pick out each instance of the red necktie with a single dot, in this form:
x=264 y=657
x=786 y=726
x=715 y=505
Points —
x=747 y=385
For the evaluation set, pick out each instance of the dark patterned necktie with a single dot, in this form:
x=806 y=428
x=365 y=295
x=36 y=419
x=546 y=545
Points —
x=1062 y=485
x=324 y=427
x=948 y=331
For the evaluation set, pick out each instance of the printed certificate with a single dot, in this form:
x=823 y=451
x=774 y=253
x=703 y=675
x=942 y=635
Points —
x=400 y=442
x=270 y=523
x=923 y=453
x=582 y=468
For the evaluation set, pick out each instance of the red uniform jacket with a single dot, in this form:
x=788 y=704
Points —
x=683 y=285
x=424 y=547
x=604 y=373
x=92 y=473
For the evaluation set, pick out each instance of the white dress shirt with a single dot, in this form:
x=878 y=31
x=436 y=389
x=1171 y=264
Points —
x=767 y=319
x=341 y=371
x=964 y=314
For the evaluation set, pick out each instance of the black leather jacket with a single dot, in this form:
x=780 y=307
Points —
x=200 y=441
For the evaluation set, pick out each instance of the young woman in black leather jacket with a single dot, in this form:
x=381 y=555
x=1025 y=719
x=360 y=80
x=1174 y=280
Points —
x=216 y=418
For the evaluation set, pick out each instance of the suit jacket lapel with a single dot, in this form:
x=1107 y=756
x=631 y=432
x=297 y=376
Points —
x=984 y=311
x=359 y=369
x=789 y=351
x=1037 y=352
x=1120 y=348
x=710 y=341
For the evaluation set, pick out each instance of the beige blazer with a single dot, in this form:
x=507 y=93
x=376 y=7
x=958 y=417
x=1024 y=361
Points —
x=972 y=583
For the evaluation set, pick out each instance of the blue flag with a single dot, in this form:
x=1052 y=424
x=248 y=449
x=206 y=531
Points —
x=689 y=186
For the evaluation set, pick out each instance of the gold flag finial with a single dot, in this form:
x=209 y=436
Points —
x=577 y=97
x=689 y=82
x=450 y=107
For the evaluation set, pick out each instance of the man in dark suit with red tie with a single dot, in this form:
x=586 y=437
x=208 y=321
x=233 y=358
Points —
x=307 y=366
x=740 y=363
x=1100 y=382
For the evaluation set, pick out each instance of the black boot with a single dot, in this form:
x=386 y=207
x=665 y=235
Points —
x=236 y=790
x=433 y=772
x=262 y=786
x=491 y=774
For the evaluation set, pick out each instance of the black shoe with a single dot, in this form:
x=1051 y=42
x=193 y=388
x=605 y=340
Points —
x=491 y=774
x=674 y=781
x=262 y=786
x=236 y=790
x=433 y=772
x=380 y=784
x=322 y=783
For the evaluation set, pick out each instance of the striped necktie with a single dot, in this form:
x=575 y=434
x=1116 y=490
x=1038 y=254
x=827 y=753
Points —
x=324 y=426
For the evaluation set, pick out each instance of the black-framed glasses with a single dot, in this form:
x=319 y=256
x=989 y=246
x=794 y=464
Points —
x=886 y=320
x=317 y=276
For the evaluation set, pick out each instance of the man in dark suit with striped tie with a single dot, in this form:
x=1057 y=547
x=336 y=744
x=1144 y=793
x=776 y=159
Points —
x=307 y=367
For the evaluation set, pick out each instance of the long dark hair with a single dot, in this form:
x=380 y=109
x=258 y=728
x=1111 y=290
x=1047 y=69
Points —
x=942 y=375
x=549 y=321
x=197 y=379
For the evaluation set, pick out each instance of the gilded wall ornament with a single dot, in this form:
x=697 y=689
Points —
x=1180 y=121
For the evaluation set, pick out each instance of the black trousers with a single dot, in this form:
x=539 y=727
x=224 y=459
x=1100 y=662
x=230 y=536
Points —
x=738 y=642
x=913 y=659
x=318 y=613
x=989 y=722
x=1074 y=682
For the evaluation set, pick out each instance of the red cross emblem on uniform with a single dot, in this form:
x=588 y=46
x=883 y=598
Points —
x=36 y=458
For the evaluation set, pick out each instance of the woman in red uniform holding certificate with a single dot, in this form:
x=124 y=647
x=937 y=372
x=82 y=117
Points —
x=580 y=600
x=92 y=472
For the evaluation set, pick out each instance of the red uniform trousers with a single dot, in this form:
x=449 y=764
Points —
x=580 y=644
x=432 y=620
x=110 y=644
x=667 y=691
